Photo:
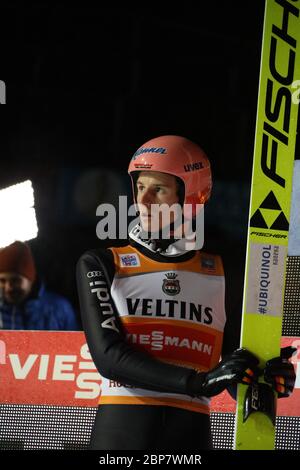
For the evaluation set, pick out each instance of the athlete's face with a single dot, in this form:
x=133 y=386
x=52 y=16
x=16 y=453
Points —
x=156 y=192
x=15 y=287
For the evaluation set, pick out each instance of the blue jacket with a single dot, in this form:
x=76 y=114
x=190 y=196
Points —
x=45 y=311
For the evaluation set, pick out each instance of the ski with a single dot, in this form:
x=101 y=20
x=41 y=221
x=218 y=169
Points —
x=270 y=200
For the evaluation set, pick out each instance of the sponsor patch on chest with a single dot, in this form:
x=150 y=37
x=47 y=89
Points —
x=129 y=260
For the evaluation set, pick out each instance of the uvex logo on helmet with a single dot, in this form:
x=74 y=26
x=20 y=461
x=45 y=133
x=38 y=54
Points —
x=193 y=166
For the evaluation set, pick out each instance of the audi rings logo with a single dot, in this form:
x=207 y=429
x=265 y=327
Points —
x=94 y=274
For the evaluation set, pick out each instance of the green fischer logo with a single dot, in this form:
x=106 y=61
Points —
x=277 y=119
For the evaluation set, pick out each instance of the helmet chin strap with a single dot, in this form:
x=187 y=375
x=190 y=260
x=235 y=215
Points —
x=157 y=239
x=161 y=244
x=155 y=242
x=167 y=246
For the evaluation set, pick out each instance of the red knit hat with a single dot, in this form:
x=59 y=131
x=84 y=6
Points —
x=17 y=258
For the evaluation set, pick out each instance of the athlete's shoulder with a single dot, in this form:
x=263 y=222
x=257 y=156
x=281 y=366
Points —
x=99 y=253
x=100 y=257
x=102 y=252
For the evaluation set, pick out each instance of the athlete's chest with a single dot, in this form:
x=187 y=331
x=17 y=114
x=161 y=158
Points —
x=172 y=294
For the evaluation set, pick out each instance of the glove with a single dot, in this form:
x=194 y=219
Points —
x=280 y=373
x=238 y=367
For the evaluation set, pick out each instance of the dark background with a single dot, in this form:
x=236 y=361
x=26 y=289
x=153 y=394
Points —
x=87 y=86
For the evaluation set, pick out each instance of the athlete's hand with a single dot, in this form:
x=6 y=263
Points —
x=238 y=367
x=280 y=373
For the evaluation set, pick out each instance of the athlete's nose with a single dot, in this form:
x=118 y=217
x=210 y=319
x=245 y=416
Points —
x=147 y=198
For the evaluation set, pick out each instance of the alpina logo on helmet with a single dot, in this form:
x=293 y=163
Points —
x=160 y=150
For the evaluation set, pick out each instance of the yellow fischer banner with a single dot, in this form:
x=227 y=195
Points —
x=276 y=124
x=274 y=154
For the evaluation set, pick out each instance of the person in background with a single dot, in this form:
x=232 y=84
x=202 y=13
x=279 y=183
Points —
x=25 y=303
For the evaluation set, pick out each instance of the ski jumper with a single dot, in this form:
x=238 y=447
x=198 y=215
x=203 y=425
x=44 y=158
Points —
x=150 y=320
